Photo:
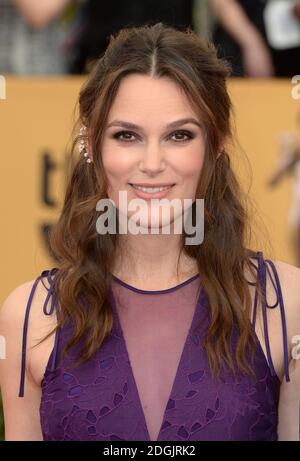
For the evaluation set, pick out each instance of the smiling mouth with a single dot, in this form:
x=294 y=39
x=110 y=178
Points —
x=151 y=190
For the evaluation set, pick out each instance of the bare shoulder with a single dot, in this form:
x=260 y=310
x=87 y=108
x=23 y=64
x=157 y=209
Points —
x=11 y=309
x=289 y=281
x=289 y=272
x=12 y=317
x=289 y=278
x=12 y=312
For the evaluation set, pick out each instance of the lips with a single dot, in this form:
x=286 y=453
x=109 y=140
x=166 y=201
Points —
x=151 y=192
x=152 y=185
x=151 y=189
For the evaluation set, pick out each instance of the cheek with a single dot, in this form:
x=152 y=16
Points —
x=116 y=165
x=190 y=166
x=117 y=168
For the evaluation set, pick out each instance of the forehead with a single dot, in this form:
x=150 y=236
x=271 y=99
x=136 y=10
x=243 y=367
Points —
x=141 y=98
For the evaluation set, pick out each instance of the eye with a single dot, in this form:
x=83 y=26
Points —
x=181 y=133
x=122 y=133
x=126 y=136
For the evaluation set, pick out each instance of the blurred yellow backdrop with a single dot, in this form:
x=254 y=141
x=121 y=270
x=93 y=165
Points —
x=36 y=120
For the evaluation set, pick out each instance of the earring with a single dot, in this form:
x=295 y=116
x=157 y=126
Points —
x=83 y=144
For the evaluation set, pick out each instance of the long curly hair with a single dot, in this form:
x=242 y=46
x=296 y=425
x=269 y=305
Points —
x=85 y=258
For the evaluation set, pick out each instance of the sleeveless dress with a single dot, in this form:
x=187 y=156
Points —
x=150 y=380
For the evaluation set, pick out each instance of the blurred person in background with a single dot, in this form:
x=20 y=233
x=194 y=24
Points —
x=32 y=35
x=260 y=38
x=64 y=36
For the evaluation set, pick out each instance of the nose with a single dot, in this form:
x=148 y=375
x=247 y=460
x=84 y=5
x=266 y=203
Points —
x=153 y=159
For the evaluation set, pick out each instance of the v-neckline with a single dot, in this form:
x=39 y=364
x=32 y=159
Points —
x=179 y=366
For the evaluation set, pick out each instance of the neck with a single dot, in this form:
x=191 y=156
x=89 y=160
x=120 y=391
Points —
x=153 y=259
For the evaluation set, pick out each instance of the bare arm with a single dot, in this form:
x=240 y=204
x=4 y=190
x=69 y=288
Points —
x=38 y=13
x=21 y=414
x=289 y=402
x=231 y=16
x=289 y=405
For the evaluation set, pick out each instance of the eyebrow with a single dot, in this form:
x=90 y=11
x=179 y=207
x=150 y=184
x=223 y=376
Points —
x=176 y=123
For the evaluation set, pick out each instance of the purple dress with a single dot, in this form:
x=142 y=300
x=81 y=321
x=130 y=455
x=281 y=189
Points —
x=150 y=380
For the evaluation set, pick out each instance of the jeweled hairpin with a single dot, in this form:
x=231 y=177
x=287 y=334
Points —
x=83 y=144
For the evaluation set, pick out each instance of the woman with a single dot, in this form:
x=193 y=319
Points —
x=155 y=339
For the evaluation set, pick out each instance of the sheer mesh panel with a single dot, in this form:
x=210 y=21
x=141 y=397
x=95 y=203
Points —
x=155 y=325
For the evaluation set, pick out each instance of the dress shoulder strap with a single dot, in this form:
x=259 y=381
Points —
x=49 y=276
x=266 y=267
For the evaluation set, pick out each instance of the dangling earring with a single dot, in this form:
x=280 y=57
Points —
x=83 y=144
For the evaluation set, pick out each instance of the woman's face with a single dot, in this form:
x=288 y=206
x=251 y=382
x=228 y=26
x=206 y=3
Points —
x=140 y=146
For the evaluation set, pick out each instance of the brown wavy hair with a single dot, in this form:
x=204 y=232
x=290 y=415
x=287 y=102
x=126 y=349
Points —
x=85 y=258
